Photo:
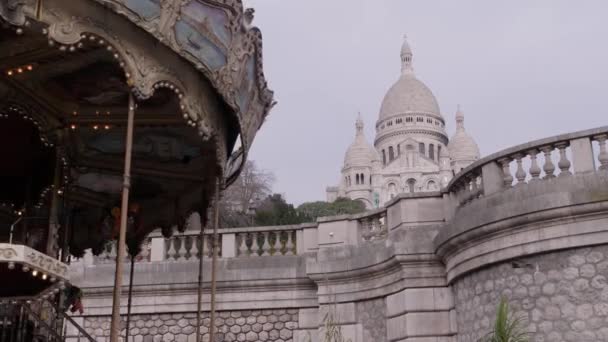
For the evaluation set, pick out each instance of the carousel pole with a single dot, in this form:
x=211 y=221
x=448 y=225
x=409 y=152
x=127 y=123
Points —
x=120 y=253
x=201 y=238
x=214 y=261
x=129 y=298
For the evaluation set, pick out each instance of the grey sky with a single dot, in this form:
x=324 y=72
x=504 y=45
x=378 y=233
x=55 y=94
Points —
x=522 y=70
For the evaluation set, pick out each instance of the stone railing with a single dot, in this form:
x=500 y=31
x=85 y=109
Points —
x=373 y=225
x=264 y=241
x=232 y=242
x=558 y=156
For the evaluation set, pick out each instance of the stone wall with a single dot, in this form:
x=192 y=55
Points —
x=247 y=325
x=562 y=295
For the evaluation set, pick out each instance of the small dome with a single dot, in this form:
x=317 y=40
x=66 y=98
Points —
x=408 y=94
x=462 y=147
x=360 y=152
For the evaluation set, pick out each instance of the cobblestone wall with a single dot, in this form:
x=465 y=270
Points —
x=252 y=325
x=562 y=295
x=372 y=316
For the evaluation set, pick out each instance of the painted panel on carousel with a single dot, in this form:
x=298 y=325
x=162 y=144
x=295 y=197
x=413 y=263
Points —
x=160 y=144
x=203 y=32
x=247 y=87
x=147 y=9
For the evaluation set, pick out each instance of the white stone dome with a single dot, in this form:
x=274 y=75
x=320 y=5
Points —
x=360 y=152
x=408 y=94
x=462 y=146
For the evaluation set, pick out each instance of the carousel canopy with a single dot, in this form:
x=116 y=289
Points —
x=68 y=69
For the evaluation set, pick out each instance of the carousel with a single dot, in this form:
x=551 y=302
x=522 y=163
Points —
x=117 y=118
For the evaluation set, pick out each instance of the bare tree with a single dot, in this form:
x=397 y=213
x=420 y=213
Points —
x=252 y=186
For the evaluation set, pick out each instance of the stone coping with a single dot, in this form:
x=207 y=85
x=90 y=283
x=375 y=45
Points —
x=526 y=147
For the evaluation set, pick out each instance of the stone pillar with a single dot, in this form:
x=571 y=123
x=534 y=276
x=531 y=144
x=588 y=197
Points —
x=228 y=245
x=582 y=155
x=157 y=249
x=492 y=178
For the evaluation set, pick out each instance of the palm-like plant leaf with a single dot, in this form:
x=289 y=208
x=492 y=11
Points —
x=506 y=327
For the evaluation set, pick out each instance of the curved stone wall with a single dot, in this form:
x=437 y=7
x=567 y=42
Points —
x=562 y=295
x=246 y=325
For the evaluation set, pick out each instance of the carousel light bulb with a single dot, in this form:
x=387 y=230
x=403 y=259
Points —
x=106 y=127
x=29 y=67
x=44 y=276
x=10 y=72
x=19 y=213
x=73 y=127
x=35 y=273
x=19 y=70
x=95 y=127
x=11 y=265
x=59 y=192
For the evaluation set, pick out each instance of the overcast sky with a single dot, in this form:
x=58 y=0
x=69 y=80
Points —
x=522 y=70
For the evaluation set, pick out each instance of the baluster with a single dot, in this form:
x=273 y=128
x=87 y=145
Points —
x=171 y=252
x=479 y=181
x=145 y=251
x=474 y=188
x=564 y=164
x=195 y=250
x=549 y=168
x=209 y=245
x=506 y=172
x=181 y=253
x=219 y=245
x=242 y=241
x=534 y=168
x=520 y=174
x=112 y=254
x=603 y=155
x=289 y=245
x=253 y=250
x=266 y=246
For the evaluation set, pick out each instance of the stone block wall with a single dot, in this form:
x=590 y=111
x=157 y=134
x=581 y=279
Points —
x=248 y=325
x=562 y=295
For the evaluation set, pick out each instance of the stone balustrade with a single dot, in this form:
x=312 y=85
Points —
x=373 y=225
x=234 y=242
x=558 y=156
x=265 y=241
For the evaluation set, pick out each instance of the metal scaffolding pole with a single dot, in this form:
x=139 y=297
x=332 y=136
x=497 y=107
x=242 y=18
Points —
x=200 y=280
x=214 y=261
x=120 y=253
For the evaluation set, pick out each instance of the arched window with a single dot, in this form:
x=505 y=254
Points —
x=398 y=150
x=438 y=151
x=411 y=185
x=391 y=154
x=384 y=157
x=432 y=151
x=370 y=179
x=392 y=190
x=431 y=185
x=421 y=148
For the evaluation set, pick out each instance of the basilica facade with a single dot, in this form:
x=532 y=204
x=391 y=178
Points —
x=411 y=151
